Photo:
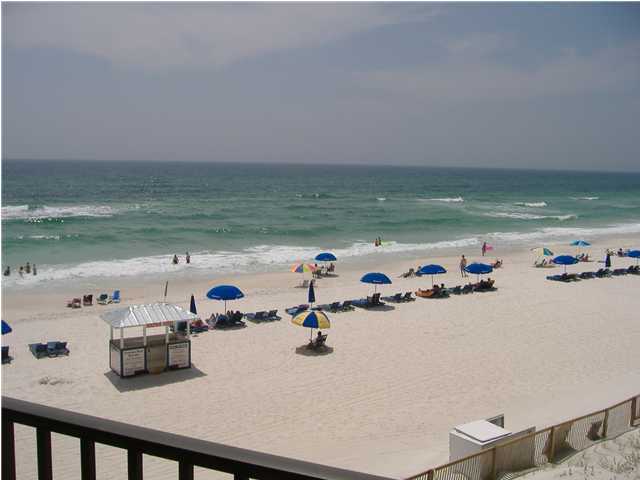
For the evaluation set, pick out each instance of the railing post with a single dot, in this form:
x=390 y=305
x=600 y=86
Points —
x=134 y=464
x=87 y=459
x=45 y=466
x=605 y=423
x=552 y=444
x=185 y=471
x=493 y=463
x=430 y=474
x=634 y=406
x=8 y=450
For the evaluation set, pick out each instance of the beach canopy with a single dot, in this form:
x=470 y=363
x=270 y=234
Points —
x=545 y=252
x=312 y=319
x=326 y=257
x=5 y=328
x=634 y=254
x=225 y=292
x=580 y=243
x=302 y=268
x=565 y=260
x=376 y=278
x=151 y=315
x=478 y=268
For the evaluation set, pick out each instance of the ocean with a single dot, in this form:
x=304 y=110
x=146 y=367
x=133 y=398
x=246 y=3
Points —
x=79 y=220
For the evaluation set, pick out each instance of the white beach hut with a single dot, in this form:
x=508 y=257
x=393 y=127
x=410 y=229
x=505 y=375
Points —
x=149 y=353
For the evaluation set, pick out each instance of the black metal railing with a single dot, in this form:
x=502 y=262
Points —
x=186 y=451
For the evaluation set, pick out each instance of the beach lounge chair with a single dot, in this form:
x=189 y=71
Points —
x=304 y=284
x=39 y=350
x=318 y=342
x=603 y=272
x=198 y=326
x=115 y=298
x=369 y=302
x=57 y=348
x=103 y=299
x=468 y=288
x=587 y=275
x=457 y=290
x=74 y=303
x=257 y=317
x=87 y=300
x=6 y=358
x=619 y=271
x=397 y=298
x=273 y=315
x=347 y=306
x=634 y=270
x=408 y=297
x=331 y=307
x=296 y=310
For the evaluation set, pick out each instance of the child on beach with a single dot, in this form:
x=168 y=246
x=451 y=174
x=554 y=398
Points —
x=175 y=260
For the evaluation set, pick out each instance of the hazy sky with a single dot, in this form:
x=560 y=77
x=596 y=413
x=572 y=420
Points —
x=509 y=85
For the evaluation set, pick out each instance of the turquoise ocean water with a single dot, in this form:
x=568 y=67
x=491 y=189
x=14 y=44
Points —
x=117 y=219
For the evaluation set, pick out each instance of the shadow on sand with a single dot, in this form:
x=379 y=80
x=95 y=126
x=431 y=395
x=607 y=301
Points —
x=151 y=380
x=310 y=352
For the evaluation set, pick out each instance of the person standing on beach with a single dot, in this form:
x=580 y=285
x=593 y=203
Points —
x=35 y=272
x=27 y=268
x=175 y=260
x=7 y=271
x=463 y=265
x=187 y=257
x=484 y=248
x=21 y=271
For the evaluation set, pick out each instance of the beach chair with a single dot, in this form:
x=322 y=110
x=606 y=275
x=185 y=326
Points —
x=115 y=298
x=87 y=300
x=304 y=284
x=587 y=275
x=457 y=290
x=468 y=288
x=293 y=311
x=74 y=303
x=257 y=317
x=347 y=306
x=273 y=315
x=56 y=348
x=369 y=302
x=103 y=299
x=633 y=269
x=334 y=307
x=198 y=326
x=619 y=271
x=397 y=298
x=6 y=358
x=318 y=342
x=39 y=350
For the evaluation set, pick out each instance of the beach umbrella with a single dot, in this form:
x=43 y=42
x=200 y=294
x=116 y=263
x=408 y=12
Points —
x=478 y=269
x=5 y=328
x=312 y=319
x=312 y=294
x=192 y=305
x=542 y=251
x=580 y=243
x=431 y=270
x=225 y=292
x=634 y=254
x=326 y=257
x=302 y=268
x=565 y=260
x=376 y=278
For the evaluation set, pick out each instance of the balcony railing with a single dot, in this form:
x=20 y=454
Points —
x=186 y=451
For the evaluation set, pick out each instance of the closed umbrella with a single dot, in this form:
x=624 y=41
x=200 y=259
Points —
x=312 y=294
x=224 y=293
x=6 y=328
x=376 y=278
x=192 y=305
x=565 y=260
x=431 y=270
x=607 y=260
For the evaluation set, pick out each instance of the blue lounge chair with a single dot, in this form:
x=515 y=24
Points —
x=369 y=302
x=408 y=297
x=6 y=358
x=57 y=348
x=619 y=271
x=457 y=290
x=587 y=275
x=397 y=298
x=273 y=315
x=39 y=350
x=257 y=317
x=293 y=311
x=115 y=298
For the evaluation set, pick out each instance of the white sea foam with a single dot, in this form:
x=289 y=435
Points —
x=381 y=199
x=565 y=232
x=585 y=198
x=444 y=199
x=529 y=216
x=22 y=212
x=531 y=204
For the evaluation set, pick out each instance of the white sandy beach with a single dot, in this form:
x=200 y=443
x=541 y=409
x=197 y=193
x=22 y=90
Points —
x=382 y=401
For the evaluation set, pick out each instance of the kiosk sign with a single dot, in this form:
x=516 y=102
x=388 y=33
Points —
x=132 y=361
x=178 y=355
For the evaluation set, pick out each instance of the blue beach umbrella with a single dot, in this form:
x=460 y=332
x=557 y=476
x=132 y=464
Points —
x=565 y=260
x=225 y=292
x=5 y=328
x=192 y=306
x=634 y=254
x=376 y=278
x=326 y=257
x=431 y=270
x=478 y=269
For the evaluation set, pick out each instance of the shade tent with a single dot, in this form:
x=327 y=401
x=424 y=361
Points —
x=152 y=315
x=326 y=257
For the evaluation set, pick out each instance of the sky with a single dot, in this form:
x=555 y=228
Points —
x=461 y=85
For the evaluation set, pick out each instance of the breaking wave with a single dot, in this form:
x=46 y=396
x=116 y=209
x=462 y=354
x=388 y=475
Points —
x=445 y=199
x=25 y=212
x=530 y=216
x=531 y=204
